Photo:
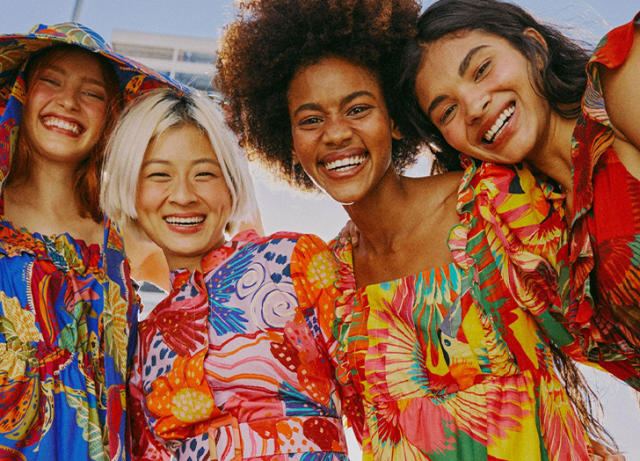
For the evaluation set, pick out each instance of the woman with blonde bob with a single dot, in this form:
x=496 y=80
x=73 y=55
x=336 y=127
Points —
x=232 y=363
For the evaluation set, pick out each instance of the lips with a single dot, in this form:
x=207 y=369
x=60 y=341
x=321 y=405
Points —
x=492 y=133
x=187 y=221
x=345 y=162
x=70 y=127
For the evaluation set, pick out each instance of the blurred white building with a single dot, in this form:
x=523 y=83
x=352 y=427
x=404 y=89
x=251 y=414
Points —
x=189 y=60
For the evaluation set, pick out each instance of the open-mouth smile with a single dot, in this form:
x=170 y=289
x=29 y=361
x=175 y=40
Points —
x=497 y=127
x=64 y=125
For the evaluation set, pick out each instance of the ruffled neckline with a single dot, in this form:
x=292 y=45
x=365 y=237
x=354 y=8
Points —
x=65 y=251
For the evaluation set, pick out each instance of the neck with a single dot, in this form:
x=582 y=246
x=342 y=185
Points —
x=380 y=215
x=553 y=156
x=47 y=186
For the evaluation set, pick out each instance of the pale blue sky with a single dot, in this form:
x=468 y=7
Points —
x=587 y=20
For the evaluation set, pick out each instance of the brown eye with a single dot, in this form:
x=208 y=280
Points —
x=481 y=70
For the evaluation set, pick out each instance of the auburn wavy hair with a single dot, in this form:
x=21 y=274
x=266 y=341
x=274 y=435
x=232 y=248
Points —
x=86 y=183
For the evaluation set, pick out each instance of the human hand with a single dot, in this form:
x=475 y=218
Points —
x=602 y=452
x=349 y=233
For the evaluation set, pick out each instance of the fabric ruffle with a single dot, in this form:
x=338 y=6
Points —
x=522 y=219
x=603 y=338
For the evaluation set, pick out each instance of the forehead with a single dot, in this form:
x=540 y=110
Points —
x=73 y=61
x=330 y=78
x=453 y=47
x=180 y=144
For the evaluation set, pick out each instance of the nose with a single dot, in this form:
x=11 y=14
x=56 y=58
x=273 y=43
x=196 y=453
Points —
x=336 y=131
x=68 y=97
x=183 y=192
x=476 y=102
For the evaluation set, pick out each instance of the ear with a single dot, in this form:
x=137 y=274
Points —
x=395 y=131
x=537 y=36
x=294 y=157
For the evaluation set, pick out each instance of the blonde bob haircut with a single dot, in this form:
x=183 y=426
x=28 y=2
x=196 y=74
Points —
x=147 y=118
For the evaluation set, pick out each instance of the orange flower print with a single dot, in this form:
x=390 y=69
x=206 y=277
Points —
x=181 y=400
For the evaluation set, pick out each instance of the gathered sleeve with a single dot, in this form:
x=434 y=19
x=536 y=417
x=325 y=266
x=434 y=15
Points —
x=314 y=271
x=144 y=444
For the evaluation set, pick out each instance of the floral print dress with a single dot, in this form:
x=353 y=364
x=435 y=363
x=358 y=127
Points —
x=65 y=319
x=453 y=363
x=605 y=245
x=67 y=309
x=233 y=364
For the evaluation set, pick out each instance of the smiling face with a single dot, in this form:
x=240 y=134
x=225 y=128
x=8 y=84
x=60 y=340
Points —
x=341 y=130
x=66 y=107
x=476 y=89
x=183 y=202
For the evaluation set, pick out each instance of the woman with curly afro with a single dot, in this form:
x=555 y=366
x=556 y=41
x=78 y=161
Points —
x=444 y=320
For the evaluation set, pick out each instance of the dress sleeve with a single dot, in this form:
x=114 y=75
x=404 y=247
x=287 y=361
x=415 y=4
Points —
x=314 y=271
x=521 y=218
x=144 y=445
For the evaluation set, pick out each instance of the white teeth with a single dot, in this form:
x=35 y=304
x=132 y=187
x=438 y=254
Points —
x=191 y=221
x=344 y=163
x=52 y=121
x=499 y=124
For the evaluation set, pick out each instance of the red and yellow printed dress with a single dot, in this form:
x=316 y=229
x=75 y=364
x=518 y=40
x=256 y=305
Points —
x=233 y=364
x=452 y=363
x=605 y=230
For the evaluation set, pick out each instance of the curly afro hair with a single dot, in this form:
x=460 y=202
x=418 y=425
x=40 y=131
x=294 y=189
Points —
x=271 y=39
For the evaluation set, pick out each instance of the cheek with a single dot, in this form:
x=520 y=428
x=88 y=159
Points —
x=218 y=198
x=148 y=200
x=302 y=145
x=455 y=136
x=98 y=114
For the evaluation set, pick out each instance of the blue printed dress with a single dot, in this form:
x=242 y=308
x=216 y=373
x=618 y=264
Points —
x=66 y=308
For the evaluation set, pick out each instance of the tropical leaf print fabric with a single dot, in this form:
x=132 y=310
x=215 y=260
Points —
x=66 y=308
x=452 y=363
x=605 y=246
x=235 y=361
x=65 y=320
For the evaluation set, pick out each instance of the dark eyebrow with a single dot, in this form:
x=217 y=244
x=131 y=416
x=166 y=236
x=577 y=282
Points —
x=346 y=100
x=467 y=59
x=464 y=65
x=350 y=97
x=435 y=104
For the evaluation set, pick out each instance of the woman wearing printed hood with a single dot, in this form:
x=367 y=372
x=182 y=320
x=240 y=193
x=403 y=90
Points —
x=66 y=304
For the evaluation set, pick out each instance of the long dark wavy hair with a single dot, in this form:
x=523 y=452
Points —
x=558 y=74
x=557 y=71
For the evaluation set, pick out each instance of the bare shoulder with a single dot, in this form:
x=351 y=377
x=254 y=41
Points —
x=440 y=186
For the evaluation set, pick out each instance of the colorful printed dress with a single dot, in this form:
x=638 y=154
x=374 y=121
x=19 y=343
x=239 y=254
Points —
x=605 y=245
x=66 y=308
x=448 y=363
x=65 y=319
x=233 y=363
